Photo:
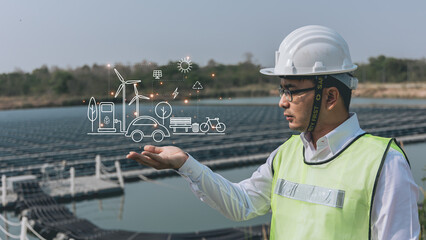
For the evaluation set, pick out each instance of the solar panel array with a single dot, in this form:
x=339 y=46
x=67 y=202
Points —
x=58 y=136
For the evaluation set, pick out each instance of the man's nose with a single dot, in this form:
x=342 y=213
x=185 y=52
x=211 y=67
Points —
x=284 y=103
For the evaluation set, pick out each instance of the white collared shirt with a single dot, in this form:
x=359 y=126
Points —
x=333 y=142
x=394 y=212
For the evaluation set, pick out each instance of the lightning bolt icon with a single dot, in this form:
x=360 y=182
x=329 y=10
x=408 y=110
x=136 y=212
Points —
x=175 y=93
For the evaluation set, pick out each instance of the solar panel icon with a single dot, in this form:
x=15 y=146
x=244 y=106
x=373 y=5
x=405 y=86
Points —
x=157 y=74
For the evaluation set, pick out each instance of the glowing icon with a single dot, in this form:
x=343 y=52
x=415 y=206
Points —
x=146 y=126
x=157 y=74
x=184 y=65
x=175 y=93
x=106 y=114
x=213 y=124
x=197 y=86
x=136 y=98
x=180 y=122
x=123 y=87
x=92 y=111
x=165 y=108
x=107 y=120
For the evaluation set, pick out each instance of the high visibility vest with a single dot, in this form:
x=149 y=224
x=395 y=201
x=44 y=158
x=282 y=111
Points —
x=329 y=200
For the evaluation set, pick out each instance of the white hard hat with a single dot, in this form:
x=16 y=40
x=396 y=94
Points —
x=314 y=50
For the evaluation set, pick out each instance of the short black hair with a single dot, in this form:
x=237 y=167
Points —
x=344 y=91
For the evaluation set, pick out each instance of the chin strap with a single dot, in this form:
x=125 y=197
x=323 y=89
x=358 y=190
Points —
x=319 y=82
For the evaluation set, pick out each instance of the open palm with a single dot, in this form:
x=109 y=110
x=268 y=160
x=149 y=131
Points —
x=168 y=157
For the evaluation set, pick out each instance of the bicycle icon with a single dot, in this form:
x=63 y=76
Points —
x=214 y=124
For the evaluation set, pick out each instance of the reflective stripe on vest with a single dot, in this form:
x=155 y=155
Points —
x=330 y=200
x=310 y=193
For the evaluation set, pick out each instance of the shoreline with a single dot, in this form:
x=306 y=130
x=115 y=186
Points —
x=364 y=90
x=391 y=90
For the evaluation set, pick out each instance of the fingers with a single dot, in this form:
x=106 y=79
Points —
x=132 y=155
x=153 y=156
x=143 y=159
x=153 y=149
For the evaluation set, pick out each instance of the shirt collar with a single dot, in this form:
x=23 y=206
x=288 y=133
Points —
x=336 y=139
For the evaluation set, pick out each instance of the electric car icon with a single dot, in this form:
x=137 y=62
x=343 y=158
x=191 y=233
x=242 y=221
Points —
x=146 y=126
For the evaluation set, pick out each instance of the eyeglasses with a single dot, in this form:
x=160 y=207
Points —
x=289 y=94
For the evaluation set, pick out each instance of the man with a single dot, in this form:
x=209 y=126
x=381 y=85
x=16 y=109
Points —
x=333 y=181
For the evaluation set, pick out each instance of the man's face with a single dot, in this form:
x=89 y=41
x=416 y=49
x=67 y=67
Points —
x=297 y=112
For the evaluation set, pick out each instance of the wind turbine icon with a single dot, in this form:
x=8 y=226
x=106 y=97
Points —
x=123 y=87
x=136 y=98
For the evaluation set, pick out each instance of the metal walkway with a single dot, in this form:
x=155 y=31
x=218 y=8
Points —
x=52 y=220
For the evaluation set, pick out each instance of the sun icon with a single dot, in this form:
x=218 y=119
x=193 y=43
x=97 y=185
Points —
x=184 y=65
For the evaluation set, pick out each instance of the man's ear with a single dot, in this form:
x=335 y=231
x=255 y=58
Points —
x=331 y=97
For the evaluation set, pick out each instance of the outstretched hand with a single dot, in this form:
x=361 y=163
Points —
x=168 y=157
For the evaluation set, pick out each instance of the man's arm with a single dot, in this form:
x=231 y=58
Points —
x=395 y=213
x=237 y=201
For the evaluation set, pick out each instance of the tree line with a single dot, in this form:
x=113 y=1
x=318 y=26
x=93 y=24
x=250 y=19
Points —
x=392 y=70
x=220 y=79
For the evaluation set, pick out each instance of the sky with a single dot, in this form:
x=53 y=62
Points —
x=74 y=33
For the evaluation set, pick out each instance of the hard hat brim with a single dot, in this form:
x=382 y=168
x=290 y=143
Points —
x=350 y=81
x=271 y=72
x=268 y=71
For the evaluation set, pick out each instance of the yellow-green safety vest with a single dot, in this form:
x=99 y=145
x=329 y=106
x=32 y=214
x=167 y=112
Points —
x=328 y=200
